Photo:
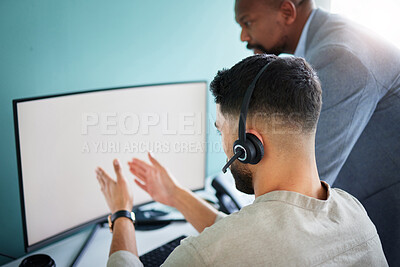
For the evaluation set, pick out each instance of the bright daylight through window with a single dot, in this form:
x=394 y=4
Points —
x=380 y=16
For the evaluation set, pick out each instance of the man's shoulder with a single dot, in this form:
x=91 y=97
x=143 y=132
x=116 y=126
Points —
x=262 y=217
x=337 y=34
x=233 y=238
x=347 y=203
x=332 y=29
x=238 y=223
x=270 y=231
x=271 y=218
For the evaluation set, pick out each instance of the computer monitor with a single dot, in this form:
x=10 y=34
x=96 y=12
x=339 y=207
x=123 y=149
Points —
x=61 y=139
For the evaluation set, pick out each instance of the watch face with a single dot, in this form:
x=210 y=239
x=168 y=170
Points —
x=133 y=218
x=110 y=224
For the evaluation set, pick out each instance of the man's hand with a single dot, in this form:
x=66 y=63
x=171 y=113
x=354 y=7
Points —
x=162 y=187
x=155 y=180
x=118 y=194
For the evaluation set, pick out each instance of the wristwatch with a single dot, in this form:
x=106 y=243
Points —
x=121 y=213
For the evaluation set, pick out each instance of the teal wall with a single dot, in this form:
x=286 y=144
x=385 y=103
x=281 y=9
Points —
x=54 y=46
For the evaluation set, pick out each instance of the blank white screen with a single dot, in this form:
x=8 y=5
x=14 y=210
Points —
x=63 y=139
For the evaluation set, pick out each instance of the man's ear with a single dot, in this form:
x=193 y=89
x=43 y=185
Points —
x=288 y=11
x=256 y=133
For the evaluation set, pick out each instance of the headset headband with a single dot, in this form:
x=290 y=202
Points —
x=246 y=103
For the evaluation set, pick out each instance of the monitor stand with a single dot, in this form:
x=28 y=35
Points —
x=86 y=244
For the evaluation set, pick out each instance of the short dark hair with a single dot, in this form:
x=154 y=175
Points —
x=288 y=86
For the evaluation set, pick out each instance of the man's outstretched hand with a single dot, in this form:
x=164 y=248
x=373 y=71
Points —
x=155 y=180
x=161 y=186
x=118 y=194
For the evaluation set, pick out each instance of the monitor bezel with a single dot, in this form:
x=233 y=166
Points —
x=103 y=218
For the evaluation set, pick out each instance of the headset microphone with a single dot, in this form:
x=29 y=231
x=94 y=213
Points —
x=248 y=148
x=235 y=157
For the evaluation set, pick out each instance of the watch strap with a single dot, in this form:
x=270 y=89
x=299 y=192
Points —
x=121 y=213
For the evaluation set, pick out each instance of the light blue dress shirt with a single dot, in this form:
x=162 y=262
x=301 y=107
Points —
x=301 y=46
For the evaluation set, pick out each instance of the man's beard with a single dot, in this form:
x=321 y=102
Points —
x=277 y=50
x=243 y=178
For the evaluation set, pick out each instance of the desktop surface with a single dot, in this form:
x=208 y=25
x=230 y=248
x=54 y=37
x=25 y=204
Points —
x=63 y=252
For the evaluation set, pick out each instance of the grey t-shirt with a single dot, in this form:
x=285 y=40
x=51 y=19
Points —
x=282 y=228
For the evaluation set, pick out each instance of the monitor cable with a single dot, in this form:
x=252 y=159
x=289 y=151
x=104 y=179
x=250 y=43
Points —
x=7 y=256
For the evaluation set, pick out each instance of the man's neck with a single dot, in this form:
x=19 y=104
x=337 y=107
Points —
x=303 y=13
x=297 y=174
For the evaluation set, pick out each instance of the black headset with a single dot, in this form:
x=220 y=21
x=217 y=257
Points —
x=248 y=148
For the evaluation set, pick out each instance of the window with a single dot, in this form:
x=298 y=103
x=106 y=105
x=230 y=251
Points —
x=380 y=16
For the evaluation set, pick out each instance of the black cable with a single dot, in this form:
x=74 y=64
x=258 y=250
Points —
x=85 y=245
x=4 y=255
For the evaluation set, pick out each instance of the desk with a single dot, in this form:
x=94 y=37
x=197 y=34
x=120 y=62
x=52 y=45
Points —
x=97 y=253
x=63 y=252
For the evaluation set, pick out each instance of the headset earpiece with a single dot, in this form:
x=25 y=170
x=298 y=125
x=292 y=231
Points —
x=258 y=147
x=252 y=148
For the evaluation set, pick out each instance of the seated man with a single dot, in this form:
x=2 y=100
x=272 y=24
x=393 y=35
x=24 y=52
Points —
x=295 y=219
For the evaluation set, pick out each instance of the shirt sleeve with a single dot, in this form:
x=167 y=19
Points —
x=123 y=258
x=184 y=255
x=349 y=98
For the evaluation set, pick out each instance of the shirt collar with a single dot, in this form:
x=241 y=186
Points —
x=301 y=45
x=297 y=199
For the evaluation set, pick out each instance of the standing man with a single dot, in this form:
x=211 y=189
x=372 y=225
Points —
x=358 y=134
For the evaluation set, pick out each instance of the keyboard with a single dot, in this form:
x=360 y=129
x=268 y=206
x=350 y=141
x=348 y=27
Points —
x=157 y=256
